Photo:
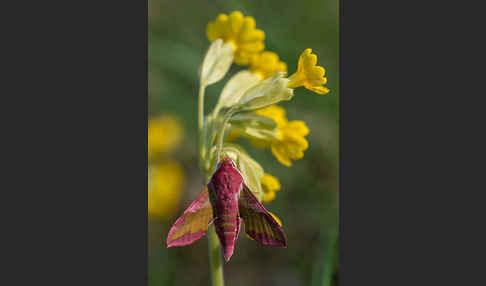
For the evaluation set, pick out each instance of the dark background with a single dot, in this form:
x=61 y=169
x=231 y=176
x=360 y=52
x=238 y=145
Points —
x=308 y=201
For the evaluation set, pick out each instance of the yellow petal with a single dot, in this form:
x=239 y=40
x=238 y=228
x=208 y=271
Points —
x=270 y=183
x=240 y=32
x=308 y=74
x=297 y=127
x=318 y=89
x=308 y=59
x=268 y=197
x=279 y=152
x=275 y=112
x=235 y=22
x=315 y=76
x=266 y=64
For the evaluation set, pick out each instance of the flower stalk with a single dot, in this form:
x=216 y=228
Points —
x=226 y=118
x=200 y=123
x=214 y=250
x=215 y=258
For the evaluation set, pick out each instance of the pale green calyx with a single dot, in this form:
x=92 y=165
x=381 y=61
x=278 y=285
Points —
x=235 y=88
x=216 y=63
x=255 y=126
x=268 y=92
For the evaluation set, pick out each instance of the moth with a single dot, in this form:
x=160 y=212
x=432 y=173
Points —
x=227 y=202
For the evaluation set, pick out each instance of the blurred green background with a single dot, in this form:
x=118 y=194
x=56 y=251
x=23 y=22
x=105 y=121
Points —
x=308 y=201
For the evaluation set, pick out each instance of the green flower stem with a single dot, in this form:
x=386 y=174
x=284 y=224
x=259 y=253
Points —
x=201 y=107
x=226 y=118
x=200 y=122
x=215 y=258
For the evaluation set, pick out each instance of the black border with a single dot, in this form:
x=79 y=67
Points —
x=83 y=219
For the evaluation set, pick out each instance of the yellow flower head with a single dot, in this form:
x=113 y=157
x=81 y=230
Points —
x=240 y=32
x=164 y=134
x=277 y=114
x=291 y=143
x=270 y=185
x=308 y=74
x=266 y=64
x=165 y=182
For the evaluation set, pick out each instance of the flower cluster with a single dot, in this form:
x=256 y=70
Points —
x=247 y=106
x=240 y=32
x=165 y=176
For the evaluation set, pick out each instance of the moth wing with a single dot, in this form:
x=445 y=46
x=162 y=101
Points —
x=193 y=224
x=259 y=224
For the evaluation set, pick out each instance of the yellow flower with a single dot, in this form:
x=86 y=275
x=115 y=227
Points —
x=240 y=32
x=266 y=64
x=164 y=188
x=164 y=134
x=275 y=112
x=309 y=74
x=291 y=143
x=270 y=185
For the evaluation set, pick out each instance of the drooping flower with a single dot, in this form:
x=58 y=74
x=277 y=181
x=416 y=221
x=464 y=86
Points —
x=291 y=142
x=276 y=113
x=164 y=134
x=308 y=74
x=287 y=142
x=266 y=64
x=165 y=182
x=270 y=185
x=240 y=32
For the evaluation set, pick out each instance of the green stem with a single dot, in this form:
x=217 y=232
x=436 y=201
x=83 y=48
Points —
x=215 y=258
x=201 y=107
x=226 y=118
x=200 y=123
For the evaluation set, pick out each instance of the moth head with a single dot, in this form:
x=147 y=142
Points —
x=226 y=162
